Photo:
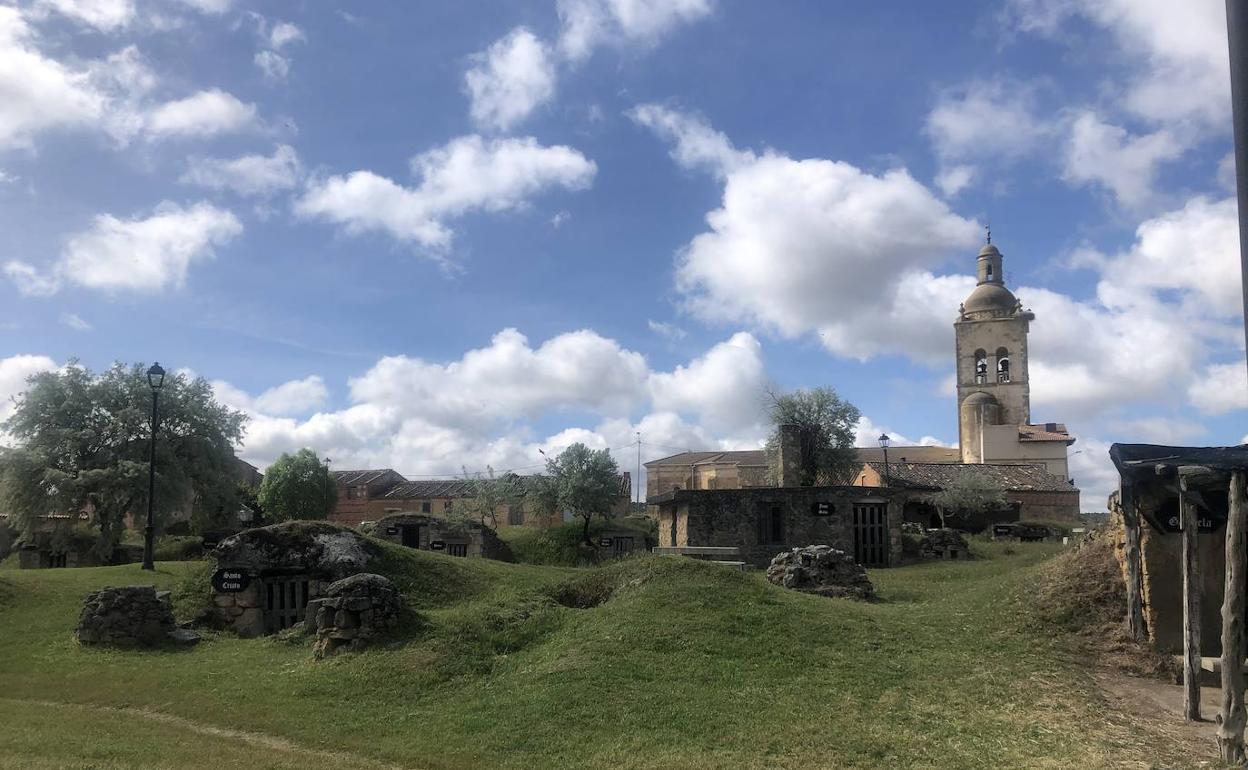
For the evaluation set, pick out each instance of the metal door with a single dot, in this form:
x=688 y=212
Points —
x=285 y=601
x=871 y=534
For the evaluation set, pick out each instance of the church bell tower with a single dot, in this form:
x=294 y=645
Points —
x=991 y=346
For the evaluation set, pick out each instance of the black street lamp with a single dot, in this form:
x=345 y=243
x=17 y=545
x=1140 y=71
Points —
x=884 y=439
x=155 y=379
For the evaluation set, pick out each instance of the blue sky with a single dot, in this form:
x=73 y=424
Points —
x=436 y=236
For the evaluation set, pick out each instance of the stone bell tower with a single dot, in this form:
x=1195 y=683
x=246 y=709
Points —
x=991 y=345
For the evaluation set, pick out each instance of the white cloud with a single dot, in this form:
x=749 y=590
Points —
x=984 y=118
x=790 y=234
x=515 y=76
x=726 y=387
x=75 y=322
x=294 y=397
x=586 y=24
x=206 y=113
x=469 y=173
x=14 y=371
x=1092 y=472
x=668 y=331
x=955 y=179
x=212 y=7
x=141 y=254
x=249 y=175
x=1160 y=430
x=1099 y=153
x=283 y=34
x=867 y=434
x=104 y=15
x=1220 y=388
x=274 y=66
x=1176 y=52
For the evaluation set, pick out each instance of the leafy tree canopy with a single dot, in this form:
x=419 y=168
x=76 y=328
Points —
x=487 y=493
x=82 y=441
x=297 y=486
x=826 y=426
x=972 y=492
x=585 y=482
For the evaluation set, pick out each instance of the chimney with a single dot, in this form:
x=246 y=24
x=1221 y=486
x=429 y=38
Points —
x=789 y=461
x=1051 y=427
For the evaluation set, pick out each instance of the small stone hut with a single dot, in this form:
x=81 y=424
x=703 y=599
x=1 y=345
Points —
x=764 y=521
x=265 y=577
x=432 y=533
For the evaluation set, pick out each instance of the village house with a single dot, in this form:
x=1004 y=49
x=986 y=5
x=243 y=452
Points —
x=368 y=495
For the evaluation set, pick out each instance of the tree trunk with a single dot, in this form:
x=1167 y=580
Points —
x=1135 y=593
x=1232 y=718
x=1191 y=611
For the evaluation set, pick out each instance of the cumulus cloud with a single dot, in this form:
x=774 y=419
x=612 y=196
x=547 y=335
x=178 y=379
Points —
x=1220 y=388
x=469 y=173
x=435 y=417
x=14 y=372
x=509 y=80
x=1099 y=153
x=1176 y=52
x=272 y=62
x=142 y=254
x=112 y=95
x=587 y=24
x=75 y=322
x=212 y=7
x=104 y=15
x=789 y=234
x=249 y=175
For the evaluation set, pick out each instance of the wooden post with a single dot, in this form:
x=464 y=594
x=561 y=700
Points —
x=1232 y=718
x=1191 y=610
x=1131 y=552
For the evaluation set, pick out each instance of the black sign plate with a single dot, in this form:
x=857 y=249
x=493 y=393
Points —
x=1204 y=523
x=392 y=530
x=605 y=542
x=1002 y=530
x=822 y=508
x=437 y=545
x=230 y=581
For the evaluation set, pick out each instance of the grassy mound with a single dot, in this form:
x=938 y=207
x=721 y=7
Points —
x=1082 y=592
x=645 y=662
x=562 y=545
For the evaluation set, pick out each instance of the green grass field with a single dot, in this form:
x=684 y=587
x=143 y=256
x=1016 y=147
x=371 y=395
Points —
x=684 y=665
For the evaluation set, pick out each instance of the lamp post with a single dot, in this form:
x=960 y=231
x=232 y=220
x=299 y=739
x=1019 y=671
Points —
x=884 y=439
x=155 y=379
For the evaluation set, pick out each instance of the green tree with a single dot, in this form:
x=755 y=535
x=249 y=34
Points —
x=972 y=492
x=826 y=426
x=487 y=493
x=81 y=445
x=585 y=482
x=297 y=486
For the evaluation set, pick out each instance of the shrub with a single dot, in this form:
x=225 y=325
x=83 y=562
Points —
x=562 y=545
x=178 y=548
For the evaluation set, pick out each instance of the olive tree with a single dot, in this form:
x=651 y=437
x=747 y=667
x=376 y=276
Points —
x=972 y=492
x=826 y=426
x=81 y=443
x=585 y=482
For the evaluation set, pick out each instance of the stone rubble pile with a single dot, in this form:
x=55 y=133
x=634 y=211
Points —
x=823 y=570
x=943 y=544
x=130 y=616
x=354 y=611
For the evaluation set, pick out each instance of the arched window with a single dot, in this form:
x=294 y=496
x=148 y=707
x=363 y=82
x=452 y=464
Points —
x=981 y=367
x=1003 y=365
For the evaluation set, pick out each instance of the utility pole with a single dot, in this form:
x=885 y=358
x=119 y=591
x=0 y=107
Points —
x=637 y=478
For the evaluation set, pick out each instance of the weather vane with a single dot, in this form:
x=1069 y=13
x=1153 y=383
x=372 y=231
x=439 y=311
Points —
x=988 y=231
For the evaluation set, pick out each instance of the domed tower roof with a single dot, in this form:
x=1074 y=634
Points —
x=990 y=296
x=979 y=397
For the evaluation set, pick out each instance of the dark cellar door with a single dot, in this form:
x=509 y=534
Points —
x=870 y=535
x=411 y=535
x=284 y=602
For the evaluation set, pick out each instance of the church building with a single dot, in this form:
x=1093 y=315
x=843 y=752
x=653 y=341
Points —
x=994 y=390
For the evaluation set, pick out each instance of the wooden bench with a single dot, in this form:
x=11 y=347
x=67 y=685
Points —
x=713 y=553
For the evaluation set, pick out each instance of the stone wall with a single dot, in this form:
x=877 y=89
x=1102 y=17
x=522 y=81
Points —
x=730 y=518
x=426 y=530
x=130 y=616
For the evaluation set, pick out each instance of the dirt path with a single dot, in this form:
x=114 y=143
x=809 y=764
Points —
x=1160 y=704
x=260 y=740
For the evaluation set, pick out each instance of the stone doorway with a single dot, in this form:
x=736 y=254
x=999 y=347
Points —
x=410 y=535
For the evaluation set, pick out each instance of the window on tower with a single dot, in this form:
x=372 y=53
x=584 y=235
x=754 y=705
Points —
x=1003 y=365
x=981 y=367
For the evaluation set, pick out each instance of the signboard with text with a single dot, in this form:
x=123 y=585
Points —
x=437 y=545
x=230 y=581
x=822 y=508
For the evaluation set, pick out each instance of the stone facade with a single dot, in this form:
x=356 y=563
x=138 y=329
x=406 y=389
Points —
x=284 y=567
x=354 y=612
x=763 y=522
x=432 y=533
x=822 y=570
x=943 y=544
x=130 y=616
